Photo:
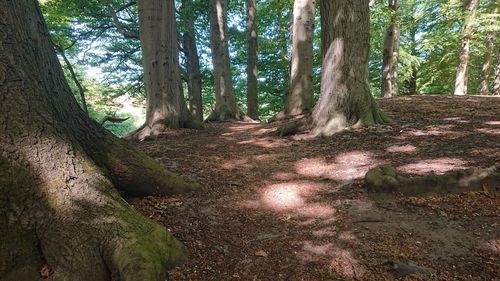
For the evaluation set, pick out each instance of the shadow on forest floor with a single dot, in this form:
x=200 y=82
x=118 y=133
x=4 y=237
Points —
x=283 y=209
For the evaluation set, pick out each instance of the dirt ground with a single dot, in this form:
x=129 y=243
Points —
x=295 y=208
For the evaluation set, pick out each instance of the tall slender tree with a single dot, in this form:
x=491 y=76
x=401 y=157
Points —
x=192 y=61
x=301 y=95
x=496 y=85
x=389 y=87
x=488 y=53
x=252 y=42
x=461 y=79
x=226 y=107
x=59 y=170
x=345 y=99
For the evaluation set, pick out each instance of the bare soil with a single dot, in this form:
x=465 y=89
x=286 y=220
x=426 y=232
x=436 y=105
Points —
x=295 y=208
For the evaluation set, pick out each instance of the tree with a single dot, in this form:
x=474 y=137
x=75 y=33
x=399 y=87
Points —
x=301 y=95
x=252 y=103
x=389 y=86
x=470 y=7
x=192 y=61
x=345 y=99
x=488 y=54
x=225 y=102
x=165 y=103
x=59 y=170
x=496 y=85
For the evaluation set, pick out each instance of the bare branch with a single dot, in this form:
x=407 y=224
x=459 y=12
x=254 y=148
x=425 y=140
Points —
x=116 y=21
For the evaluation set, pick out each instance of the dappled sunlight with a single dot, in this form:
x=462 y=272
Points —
x=437 y=166
x=456 y=120
x=489 y=131
x=266 y=142
x=341 y=261
x=328 y=231
x=407 y=148
x=236 y=164
x=492 y=123
x=285 y=176
x=293 y=198
x=347 y=166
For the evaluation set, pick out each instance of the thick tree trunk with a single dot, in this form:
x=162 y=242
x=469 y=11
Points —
x=488 y=56
x=252 y=38
x=192 y=63
x=165 y=104
x=389 y=87
x=496 y=85
x=463 y=57
x=345 y=99
x=59 y=170
x=301 y=95
x=225 y=102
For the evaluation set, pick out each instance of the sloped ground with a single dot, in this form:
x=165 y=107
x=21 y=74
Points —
x=288 y=209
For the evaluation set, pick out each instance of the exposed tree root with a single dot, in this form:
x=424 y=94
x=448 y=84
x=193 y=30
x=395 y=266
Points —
x=387 y=179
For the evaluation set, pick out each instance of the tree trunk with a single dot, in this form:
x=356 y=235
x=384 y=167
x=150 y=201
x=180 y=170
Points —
x=496 y=85
x=488 y=56
x=165 y=104
x=252 y=103
x=345 y=99
x=59 y=170
x=391 y=53
x=301 y=95
x=192 y=62
x=225 y=102
x=463 y=57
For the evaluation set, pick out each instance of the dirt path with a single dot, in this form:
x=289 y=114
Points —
x=284 y=209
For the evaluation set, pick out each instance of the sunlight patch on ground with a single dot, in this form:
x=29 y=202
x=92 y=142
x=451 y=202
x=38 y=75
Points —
x=492 y=245
x=407 y=148
x=341 y=261
x=346 y=166
x=325 y=232
x=294 y=199
x=438 y=166
x=489 y=131
x=267 y=142
x=492 y=123
x=236 y=164
x=285 y=176
x=456 y=120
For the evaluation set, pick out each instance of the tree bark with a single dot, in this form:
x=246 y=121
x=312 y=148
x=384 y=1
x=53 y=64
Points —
x=192 y=62
x=488 y=56
x=225 y=102
x=59 y=170
x=496 y=85
x=345 y=99
x=389 y=87
x=252 y=41
x=301 y=95
x=165 y=104
x=470 y=8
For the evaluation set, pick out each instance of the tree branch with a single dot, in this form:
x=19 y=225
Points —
x=116 y=21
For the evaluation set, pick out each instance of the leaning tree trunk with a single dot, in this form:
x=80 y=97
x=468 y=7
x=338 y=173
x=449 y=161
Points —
x=389 y=87
x=225 y=102
x=59 y=170
x=192 y=62
x=488 y=56
x=345 y=99
x=252 y=37
x=463 y=56
x=165 y=104
x=301 y=95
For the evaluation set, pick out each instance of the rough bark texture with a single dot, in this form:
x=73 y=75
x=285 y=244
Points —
x=59 y=170
x=165 y=104
x=345 y=99
x=488 y=56
x=389 y=87
x=225 y=102
x=252 y=37
x=496 y=85
x=301 y=95
x=192 y=63
x=463 y=56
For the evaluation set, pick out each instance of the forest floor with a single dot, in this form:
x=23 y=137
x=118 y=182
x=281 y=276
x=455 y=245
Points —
x=295 y=208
